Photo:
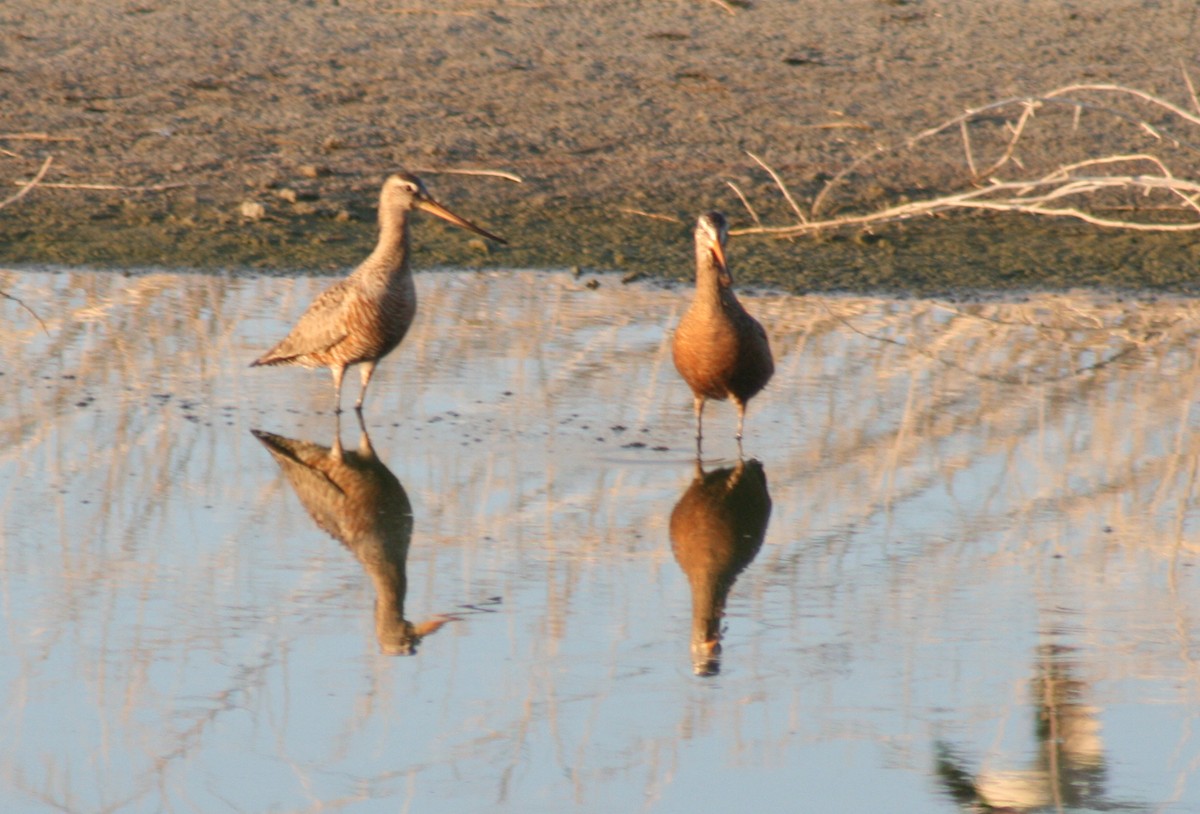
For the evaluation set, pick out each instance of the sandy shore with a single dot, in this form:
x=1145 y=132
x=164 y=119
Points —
x=604 y=109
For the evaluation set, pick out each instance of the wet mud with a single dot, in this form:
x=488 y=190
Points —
x=624 y=121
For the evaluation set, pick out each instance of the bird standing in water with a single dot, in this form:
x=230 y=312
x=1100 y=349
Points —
x=719 y=349
x=362 y=318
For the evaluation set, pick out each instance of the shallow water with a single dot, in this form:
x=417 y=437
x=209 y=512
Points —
x=976 y=583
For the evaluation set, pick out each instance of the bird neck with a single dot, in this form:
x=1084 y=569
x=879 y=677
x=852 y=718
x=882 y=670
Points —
x=708 y=278
x=390 y=255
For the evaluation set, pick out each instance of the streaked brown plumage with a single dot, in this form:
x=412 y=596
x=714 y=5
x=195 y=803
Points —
x=362 y=318
x=720 y=350
x=717 y=528
x=356 y=499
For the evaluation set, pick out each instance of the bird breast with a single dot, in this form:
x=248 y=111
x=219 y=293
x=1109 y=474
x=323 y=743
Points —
x=377 y=320
x=706 y=351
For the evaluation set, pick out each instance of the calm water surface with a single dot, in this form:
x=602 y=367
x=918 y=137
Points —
x=957 y=565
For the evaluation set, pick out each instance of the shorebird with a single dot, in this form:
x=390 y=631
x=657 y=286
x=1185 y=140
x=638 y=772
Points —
x=358 y=501
x=717 y=528
x=719 y=349
x=361 y=319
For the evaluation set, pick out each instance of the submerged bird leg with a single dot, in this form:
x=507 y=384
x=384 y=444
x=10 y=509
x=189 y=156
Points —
x=338 y=371
x=365 y=373
x=336 y=452
x=365 y=449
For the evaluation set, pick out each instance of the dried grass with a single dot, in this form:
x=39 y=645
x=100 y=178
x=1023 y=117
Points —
x=1089 y=190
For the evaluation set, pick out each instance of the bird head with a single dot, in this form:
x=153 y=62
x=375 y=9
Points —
x=712 y=230
x=406 y=192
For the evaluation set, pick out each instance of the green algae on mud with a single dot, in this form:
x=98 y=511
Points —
x=942 y=256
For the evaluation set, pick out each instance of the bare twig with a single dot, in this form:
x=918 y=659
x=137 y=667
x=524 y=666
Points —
x=41 y=173
x=787 y=195
x=966 y=137
x=1123 y=90
x=32 y=313
x=1019 y=128
x=745 y=203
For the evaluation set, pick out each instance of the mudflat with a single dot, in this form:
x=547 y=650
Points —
x=257 y=132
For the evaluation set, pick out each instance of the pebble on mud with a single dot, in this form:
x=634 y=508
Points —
x=252 y=210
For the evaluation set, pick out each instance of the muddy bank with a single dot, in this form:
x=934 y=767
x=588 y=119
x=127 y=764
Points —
x=926 y=258
x=605 y=109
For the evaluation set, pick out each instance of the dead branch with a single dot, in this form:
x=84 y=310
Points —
x=1046 y=195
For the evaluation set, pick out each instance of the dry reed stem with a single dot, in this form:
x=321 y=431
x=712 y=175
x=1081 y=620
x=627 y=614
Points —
x=745 y=202
x=444 y=12
x=508 y=176
x=779 y=182
x=471 y=9
x=106 y=187
x=1187 y=80
x=36 y=137
x=1039 y=196
x=37 y=179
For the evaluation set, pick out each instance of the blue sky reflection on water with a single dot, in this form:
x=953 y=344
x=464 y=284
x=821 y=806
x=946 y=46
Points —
x=977 y=580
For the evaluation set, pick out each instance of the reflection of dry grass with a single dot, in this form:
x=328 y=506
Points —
x=1069 y=405
x=988 y=141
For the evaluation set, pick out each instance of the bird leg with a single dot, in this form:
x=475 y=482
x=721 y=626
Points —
x=741 y=411
x=698 y=406
x=365 y=373
x=338 y=371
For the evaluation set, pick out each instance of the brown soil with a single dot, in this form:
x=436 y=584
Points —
x=601 y=107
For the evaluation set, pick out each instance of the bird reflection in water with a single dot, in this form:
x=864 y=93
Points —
x=1069 y=768
x=353 y=497
x=717 y=528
